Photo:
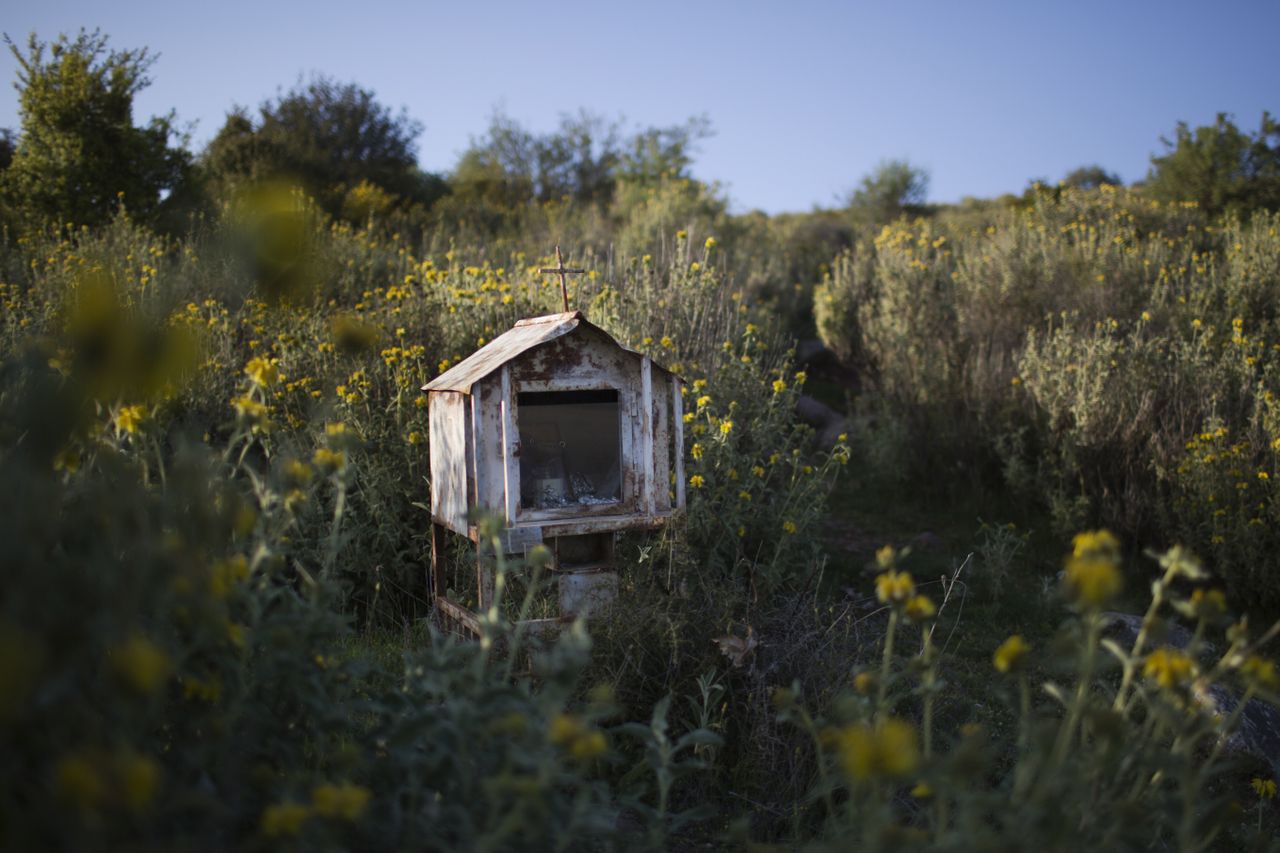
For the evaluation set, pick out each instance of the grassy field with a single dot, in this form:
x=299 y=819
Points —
x=214 y=631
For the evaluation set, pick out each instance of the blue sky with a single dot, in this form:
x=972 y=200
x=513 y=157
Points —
x=804 y=97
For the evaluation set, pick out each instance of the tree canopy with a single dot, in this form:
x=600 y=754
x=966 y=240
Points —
x=1220 y=167
x=1090 y=178
x=331 y=138
x=78 y=154
x=894 y=187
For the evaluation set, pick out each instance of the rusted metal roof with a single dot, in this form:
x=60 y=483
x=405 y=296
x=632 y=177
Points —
x=520 y=338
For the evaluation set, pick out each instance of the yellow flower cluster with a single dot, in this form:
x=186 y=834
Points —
x=1093 y=570
x=140 y=664
x=1011 y=654
x=340 y=802
x=1264 y=788
x=1261 y=672
x=888 y=749
x=1169 y=668
x=263 y=372
x=580 y=740
x=130 y=418
x=92 y=781
x=329 y=461
x=895 y=587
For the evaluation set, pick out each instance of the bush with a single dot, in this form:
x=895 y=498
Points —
x=1076 y=350
x=1117 y=730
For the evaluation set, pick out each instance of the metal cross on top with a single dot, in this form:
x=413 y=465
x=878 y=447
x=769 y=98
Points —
x=561 y=270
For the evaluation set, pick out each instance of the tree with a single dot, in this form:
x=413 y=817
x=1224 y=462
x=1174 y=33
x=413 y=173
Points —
x=656 y=154
x=578 y=161
x=7 y=147
x=893 y=188
x=78 y=154
x=586 y=160
x=1090 y=178
x=329 y=138
x=1220 y=167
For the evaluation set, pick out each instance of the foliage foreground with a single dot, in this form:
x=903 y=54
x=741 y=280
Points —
x=211 y=635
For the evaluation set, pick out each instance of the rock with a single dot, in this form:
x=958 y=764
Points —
x=1124 y=628
x=811 y=351
x=1257 y=732
x=813 y=356
x=826 y=421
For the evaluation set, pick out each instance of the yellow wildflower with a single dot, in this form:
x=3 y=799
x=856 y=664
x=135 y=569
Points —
x=697 y=481
x=864 y=683
x=571 y=732
x=1264 y=788
x=1262 y=671
x=67 y=460
x=199 y=690
x=284 y=819
x=726 y=427
x=711 y=243
x=346 y=801
x=129 y=418
x=79 y=782
x=329 y=460
x=298 y=472
x=1093 y=571
x=140 y=664
x=894 y=587
x=1169 y=667
x=139 y=780
x=696 y=450
x=889 y=749
x=226 y=574
x=262 y=372
x=589 y=746
x=1095 y=542
x=886 y=557
x=920 y=608
x=1210 y=604
x=789 y=527
x=563 y=729
x=779 y=386
x=1011 y=653
x=249 y=409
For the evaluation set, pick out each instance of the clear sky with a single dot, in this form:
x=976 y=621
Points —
x=804 y=96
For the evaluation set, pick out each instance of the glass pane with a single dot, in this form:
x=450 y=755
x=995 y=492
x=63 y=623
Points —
x=570 y=452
